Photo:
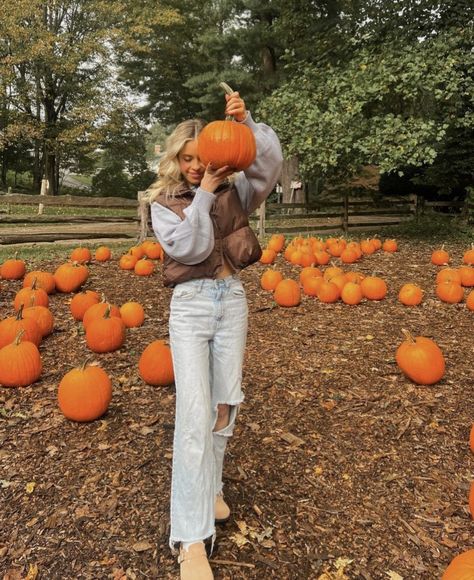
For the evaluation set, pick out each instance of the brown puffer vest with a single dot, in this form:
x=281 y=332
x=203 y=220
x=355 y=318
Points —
x=233 y=237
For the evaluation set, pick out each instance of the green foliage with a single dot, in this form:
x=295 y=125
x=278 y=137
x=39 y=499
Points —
x=390 y=105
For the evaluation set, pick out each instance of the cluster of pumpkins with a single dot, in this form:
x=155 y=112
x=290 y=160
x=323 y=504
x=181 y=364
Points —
x=84 y=393
x=351 y=287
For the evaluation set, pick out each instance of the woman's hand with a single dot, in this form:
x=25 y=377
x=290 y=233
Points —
x=212 y=178
x=235 y=106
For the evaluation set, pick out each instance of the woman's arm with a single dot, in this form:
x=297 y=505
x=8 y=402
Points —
x=190 y=240
x=257 y=181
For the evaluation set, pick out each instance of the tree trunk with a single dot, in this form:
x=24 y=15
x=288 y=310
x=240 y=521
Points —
x=289 y=179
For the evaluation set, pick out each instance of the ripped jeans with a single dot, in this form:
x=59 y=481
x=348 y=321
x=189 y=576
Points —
x=208 y=332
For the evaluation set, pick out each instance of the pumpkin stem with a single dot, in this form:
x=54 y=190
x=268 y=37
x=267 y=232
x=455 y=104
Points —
x=226 y=88
x=408 y=335
x=17 y=340
x=19 y=314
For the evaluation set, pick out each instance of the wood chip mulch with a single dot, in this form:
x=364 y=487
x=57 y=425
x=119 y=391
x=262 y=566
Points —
x=340 y=467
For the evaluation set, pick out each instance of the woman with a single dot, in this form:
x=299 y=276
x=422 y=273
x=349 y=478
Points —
x=201 y=220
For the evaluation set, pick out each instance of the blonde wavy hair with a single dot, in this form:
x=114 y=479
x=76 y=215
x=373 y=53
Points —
x=170 y=179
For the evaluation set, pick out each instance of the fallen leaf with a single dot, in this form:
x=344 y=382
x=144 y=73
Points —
x=30 y=487
x=32 y=572
x=142 y=546
x=393 y=575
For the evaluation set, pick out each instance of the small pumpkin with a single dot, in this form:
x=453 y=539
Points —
x=270 y=278
x=30 y=296
x=84 y=393
x=467 y=276
x=311 y=285
x=155 y=365
x=468 y=256
x=81 y=255
x=448 y=275
x=461 y=567
x=98 y=310
x=70 y=276
x=105 y=334
x=268 y=256
x=127 y=261
x=470 y=300
x=81 y=301
x=144 y=267
x=103 y=254
x=43 y=317
x=44 y=280
x=410 y=295
x=450 y=292
x=13 y=269
x=287 y=293
x=10 y=328
x=390 y=246
x=420 y=359
x=20 y=363
x=153 y=250
x=328 y=292
x=373 y=288
x=132 y=314
x=440 y=257
x=351 y=293
x=276 y=243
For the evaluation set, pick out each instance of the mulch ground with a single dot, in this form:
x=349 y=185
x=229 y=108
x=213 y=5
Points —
x=340 y=467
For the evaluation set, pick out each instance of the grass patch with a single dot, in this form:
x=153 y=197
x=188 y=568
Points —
x=32 y=210
x=57 y=251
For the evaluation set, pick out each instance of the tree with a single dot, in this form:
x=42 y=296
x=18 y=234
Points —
x=59 y=59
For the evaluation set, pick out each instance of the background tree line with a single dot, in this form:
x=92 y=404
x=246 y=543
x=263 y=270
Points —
x=345 y=83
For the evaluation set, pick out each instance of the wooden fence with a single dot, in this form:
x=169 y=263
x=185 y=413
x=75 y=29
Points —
x=343 y=215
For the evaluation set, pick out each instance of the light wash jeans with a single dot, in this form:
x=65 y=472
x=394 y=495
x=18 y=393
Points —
x=208 y=332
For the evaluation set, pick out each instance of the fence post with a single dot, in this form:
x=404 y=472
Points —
x=345 y=213
x=143 y=214
x=44 y=191
x=261 y=221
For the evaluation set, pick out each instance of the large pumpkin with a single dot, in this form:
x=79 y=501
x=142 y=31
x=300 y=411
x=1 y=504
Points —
x=84 y=393
x=70 y=276
x=287 y=293
x=227 y=143
x=155 y=365
x=20 y=363
x=11 y=326
x=420 y=359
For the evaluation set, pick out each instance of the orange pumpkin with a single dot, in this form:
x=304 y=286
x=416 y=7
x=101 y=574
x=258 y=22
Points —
x=471 y=439
x=287 y=293
x=373 y=288
x=98 y=310
x=461 y=567
x=471 y=500
x=467 y=276
x=105 y=334
x=127 y=262
x=448 y=275
x=155 y=365
x=470 y=300
x=468 y=257
x=10 y=328
x=70 y=276
x=42 y=316
x=81 y=255
x=20 y=363
x=351 y=293
x=276 y=243
x=81 y=302
x=328 y=292
x=30 y=296
x=368 y=247
x=44 y=280
x=440 y=257
x=270 y=278
x=268 y=256
x=420 y=359
x=309 y=272
x=84 y=393
x=153 y=250
x=132 y=314
x=103 y=254
x=450 y=292
x=322 y=257
x=144 y=267
x=390 y=246
x=410 y=295
x=227 y=143
x=13 y=269
x=311 y=285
